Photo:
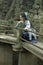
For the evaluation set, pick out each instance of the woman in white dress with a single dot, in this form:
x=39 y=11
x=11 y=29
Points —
x=27 y=26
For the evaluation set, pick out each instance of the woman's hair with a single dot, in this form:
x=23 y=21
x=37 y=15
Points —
x=24 y=15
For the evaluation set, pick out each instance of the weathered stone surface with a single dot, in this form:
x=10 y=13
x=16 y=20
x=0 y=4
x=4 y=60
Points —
x=26 y=58
x=6 y=55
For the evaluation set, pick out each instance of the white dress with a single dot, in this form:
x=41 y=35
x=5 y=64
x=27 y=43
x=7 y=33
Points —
x=28 y=27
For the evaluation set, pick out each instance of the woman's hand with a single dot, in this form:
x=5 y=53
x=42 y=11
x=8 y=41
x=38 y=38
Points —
x=25 y=29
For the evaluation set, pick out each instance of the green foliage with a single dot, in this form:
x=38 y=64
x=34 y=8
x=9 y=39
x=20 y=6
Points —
x=6 y=25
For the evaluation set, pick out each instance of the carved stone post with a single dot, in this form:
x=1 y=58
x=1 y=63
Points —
x=20 y=27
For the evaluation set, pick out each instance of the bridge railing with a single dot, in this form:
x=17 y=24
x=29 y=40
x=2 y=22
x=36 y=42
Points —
x=8 y=27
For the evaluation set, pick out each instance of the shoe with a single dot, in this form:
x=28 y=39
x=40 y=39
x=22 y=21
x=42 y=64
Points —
x=34 y=41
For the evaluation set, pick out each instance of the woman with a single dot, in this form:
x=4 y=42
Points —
x=27 y=26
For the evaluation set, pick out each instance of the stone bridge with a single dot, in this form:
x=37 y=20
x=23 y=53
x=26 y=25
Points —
x=10 y=43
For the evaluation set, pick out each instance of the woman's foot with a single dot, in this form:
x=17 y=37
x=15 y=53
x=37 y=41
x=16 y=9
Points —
x=34 y=41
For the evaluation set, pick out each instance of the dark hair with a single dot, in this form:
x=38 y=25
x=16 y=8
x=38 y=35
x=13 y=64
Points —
x=24 y=15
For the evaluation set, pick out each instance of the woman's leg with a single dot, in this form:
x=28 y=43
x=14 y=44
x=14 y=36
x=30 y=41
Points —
x=30 y=36
x=25 y=35
x=34 y=35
